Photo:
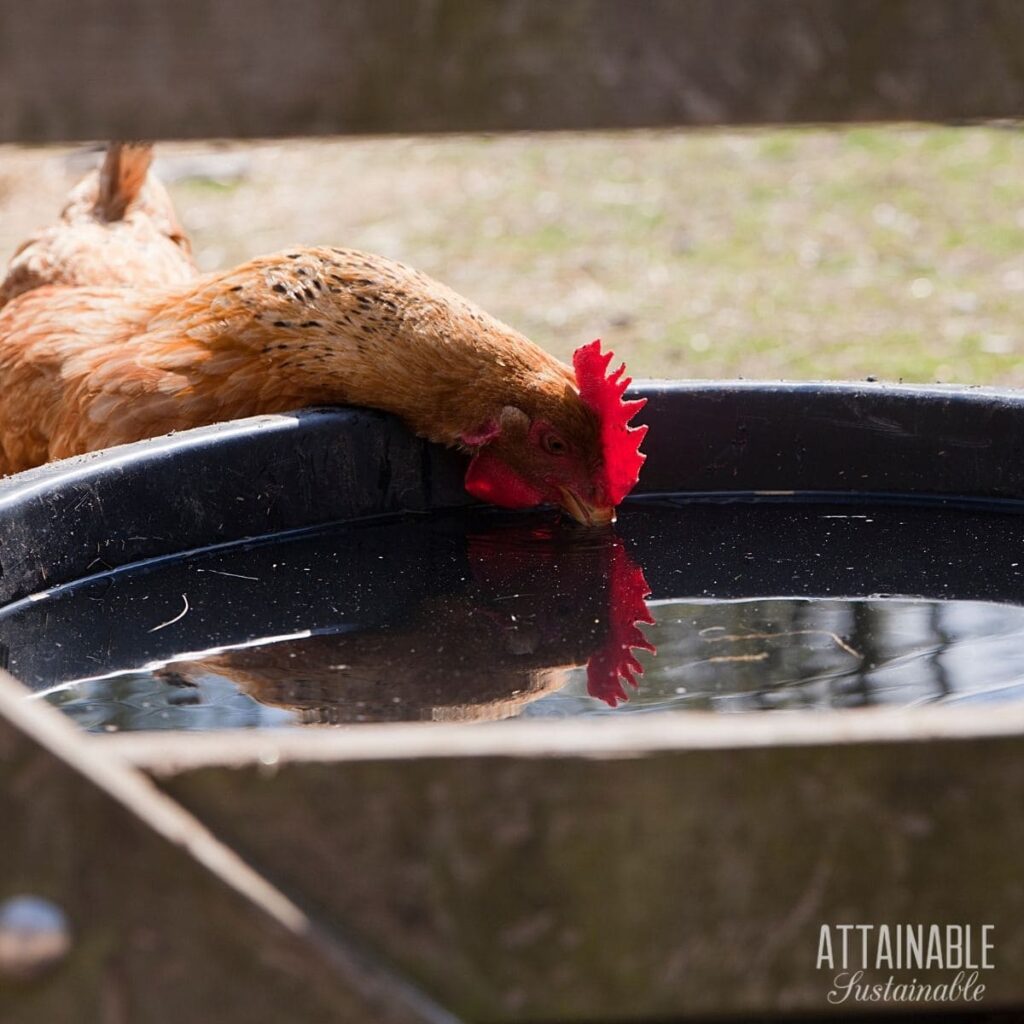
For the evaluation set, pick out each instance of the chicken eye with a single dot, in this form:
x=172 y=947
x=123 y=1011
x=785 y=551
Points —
x=554 y=445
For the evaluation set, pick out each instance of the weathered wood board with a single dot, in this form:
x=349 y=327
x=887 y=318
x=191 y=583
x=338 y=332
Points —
x=146 y=68
x=659 y=870
x=166 y=923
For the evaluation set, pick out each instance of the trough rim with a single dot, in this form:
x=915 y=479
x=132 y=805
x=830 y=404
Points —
x=630 y=737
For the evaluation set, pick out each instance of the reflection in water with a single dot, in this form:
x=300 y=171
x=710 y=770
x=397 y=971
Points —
x=726 y=656
x=532 y=610
x=510 y=560
x=454 y=624
x=470 y=617
x=614 y=660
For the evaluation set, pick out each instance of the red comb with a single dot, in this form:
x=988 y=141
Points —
x=614 y=660
x=602 y=392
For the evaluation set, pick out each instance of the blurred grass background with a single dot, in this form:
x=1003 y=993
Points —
x=896 y=253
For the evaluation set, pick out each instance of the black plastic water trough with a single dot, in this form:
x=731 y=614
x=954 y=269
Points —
x=955 y=453
x=723 y=845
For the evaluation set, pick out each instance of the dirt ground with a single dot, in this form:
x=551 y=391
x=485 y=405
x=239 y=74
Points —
x=889 y=252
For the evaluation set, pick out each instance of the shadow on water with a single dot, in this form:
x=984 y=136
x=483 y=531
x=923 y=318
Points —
x=481 y=615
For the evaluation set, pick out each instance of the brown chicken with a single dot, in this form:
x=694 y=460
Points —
x=118 y=228
x=87 y=368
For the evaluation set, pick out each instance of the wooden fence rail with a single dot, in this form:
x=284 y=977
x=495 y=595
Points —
x=147 y=68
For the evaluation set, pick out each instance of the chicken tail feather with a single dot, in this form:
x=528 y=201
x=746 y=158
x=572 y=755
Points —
x=122 y=176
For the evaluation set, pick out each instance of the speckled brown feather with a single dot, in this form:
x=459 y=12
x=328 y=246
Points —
x=118 y=228
x=86 y=368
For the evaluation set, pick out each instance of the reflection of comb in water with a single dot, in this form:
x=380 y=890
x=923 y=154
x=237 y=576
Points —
x=614 y=661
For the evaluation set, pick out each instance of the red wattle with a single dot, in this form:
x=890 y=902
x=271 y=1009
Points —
x=491 y=480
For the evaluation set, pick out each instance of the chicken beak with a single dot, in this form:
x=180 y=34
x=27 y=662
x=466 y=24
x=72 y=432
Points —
x=584 y=513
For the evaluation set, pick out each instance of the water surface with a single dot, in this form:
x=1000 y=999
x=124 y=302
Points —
x=466 y=617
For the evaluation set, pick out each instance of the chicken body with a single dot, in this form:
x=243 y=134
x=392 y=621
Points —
x=118 y=228
x=87 y=368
